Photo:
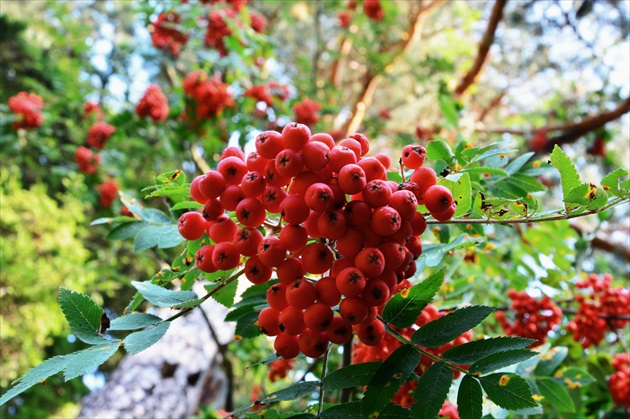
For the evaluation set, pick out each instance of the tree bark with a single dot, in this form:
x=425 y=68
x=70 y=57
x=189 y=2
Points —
x=172 y=378
x=484 y=48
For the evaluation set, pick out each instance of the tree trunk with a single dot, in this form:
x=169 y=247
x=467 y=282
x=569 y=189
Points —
x=172 y=378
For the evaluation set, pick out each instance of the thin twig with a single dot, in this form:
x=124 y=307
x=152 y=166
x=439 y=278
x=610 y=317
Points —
x=321 y=383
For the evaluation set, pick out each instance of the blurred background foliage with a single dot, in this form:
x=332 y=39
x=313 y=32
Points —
x=550 y=65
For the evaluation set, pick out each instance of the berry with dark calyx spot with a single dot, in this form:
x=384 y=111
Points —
x=272 y=197
x=291 y=269
x=291 y=321
x=438 y=198
x=318 y=317
x=385 y=221
x=301 y=294
x=413 y=156
x=268 y=321
x=233 y=169
x=312 y=344
x=341 y=156
x=352 y=179
x=377 y=193
x=203 y=259
x=373 y=168
x=191 y=225
x=363 y=140
x=372 y=333
x=286 y=346
x=354 y=309
x=319 y=197
x=317 y=258
x=289 y=163
x=276 y=297
x=294 y=209
x=269 y=144
x=339 y=331
x=445 y=215
x=212 y=209
x=256 y=162
x=271 y=251
x=247 y=240
x=225 y=256
x=357 y=213
x=332 y=225
x=257 y=272
x=353 y=145
x=212 y=184
x=231 y=196
x=315 y=155
x=406 y=203
x=350 y=282
x=295 y=136
x=376 y=292
x=370 y=261
x=253 y=184
x=250 y=212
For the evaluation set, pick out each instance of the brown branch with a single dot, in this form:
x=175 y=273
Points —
x=493 y=104
x=484 y=48
x=586 y=125
x=339 y=64
x=371 y=80
x=604 y=244
x=572 y=130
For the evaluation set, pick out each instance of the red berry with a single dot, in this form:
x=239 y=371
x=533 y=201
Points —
x=341 y=156
x=315 y=155
x=352 y=179
x=339 y=331
x=318 y=317
x=438 y=198
x=257 y=272
x=269 y=144
x=373 y=168
x=271 y=251
x=250 y=212
x=323 y=138
x=376 y=292
x=286 y=346
x=354 y=310
x=370 y=261
x=276 y=297
x=319 y=197
x=350 y=282
x=327 y=291
x=195 y=192
x=272 y=197
x=295 y=136
x=212 y=184
x=289 y=163
x=377 y=193
x=291 y=321
x=233 y=169
x=203 y=259
x=413 y=156
x=317 y=258
x=253 y=184
x=212 y=209
x=312 y=344
x=301 y=294
x=247 y=240
x=225 y=256
x=372 y=333
x=294 y=209
x=385 y=221
x=191 y=225
x=222 y=229
x=294 y=237
x=289 y=270
x=231 y=196
x=268 y=321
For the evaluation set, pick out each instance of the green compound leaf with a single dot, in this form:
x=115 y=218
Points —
x=461 y=189
x=587 y=195
x=568 y=173
x=246 y=326
x=34 y=376
x=186 y=205
x=556 y=394
x=296 y=391
x=469 y=398
x=439 y=150
x=610 y=183
x=351 y=376
x=501 y=359
x=471 y=352
x=573 y=377
x=134 y=321
x=125 y=231
x=225 y=296
x=162 y=297
x=139 y=341
x=404 y=308
x=177 y=177
x=550 y=360
x=388 y=379
x=431 y=391
x=516 y=164
x=444 y=329
x=87 y=360
x=508 y=391
x=83 y=314
x=350 y=410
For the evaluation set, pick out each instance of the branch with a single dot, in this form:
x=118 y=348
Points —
x=527 y=220
x=586 y=125
x=572 y=130
x=371 y=80
x=484 y=48
x=603 y=243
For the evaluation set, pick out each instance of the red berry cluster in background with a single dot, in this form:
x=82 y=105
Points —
x=278 y=369
x=165 y=33
x=28 y=106
x=209 y=95
x=448 y=411
x=108 y=192
x=306 y=112
x=346 y=235
x=87 y=160
x=219 y=28
x=367 y=353
x=619 y=381
x=99 y=134
x=589 y=325
x=532 y=319
x=153 y=104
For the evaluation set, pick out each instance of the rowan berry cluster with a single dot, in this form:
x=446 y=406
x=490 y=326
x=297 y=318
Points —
x=87 y=161
x=219 y=27
x=372 y=9
x=340 y=219
x=28 y=106
x=381 y=351
x=532 y=318
x=209 y=95
x=99 y=134
x=597 y=310
x=165 y=33
x=619 y=381
x=153 y=104
x=278 y=369
x=306 y=112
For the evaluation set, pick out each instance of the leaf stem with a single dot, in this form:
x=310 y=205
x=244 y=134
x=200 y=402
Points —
x=321 y=383
x=527 y=220
x=424 y=352
x=205 y=297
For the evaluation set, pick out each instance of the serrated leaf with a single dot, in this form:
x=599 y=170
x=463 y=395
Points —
x=265 y=361
x=431 y=391
x=162 y=297
x=175 y=176
x=516 y=164
x=403 y=309
x=550 y=360
x=186 y=205
x=351 y=376
x=225 y=296
x=610 y=182
x=475 y=350
x=89 y=359
x=389 y=377
x=587 y=195
x=556 y=395
x=139 y=341
x=508 y=391
x=296 y=391
x=35 y=376
x=134 y=321
x=462 y=193
x=573 y=377
x=350 y=410
x=492 y=153
x=568 y=173
x=484 y=169
x=246 y=326
x=83 y=315
x=125 y=231
x=526 y=182
x=445 y=329
x=168 y=191
x=239 y=312
x=499 y=360
x=469 y=398
x=439 y=150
